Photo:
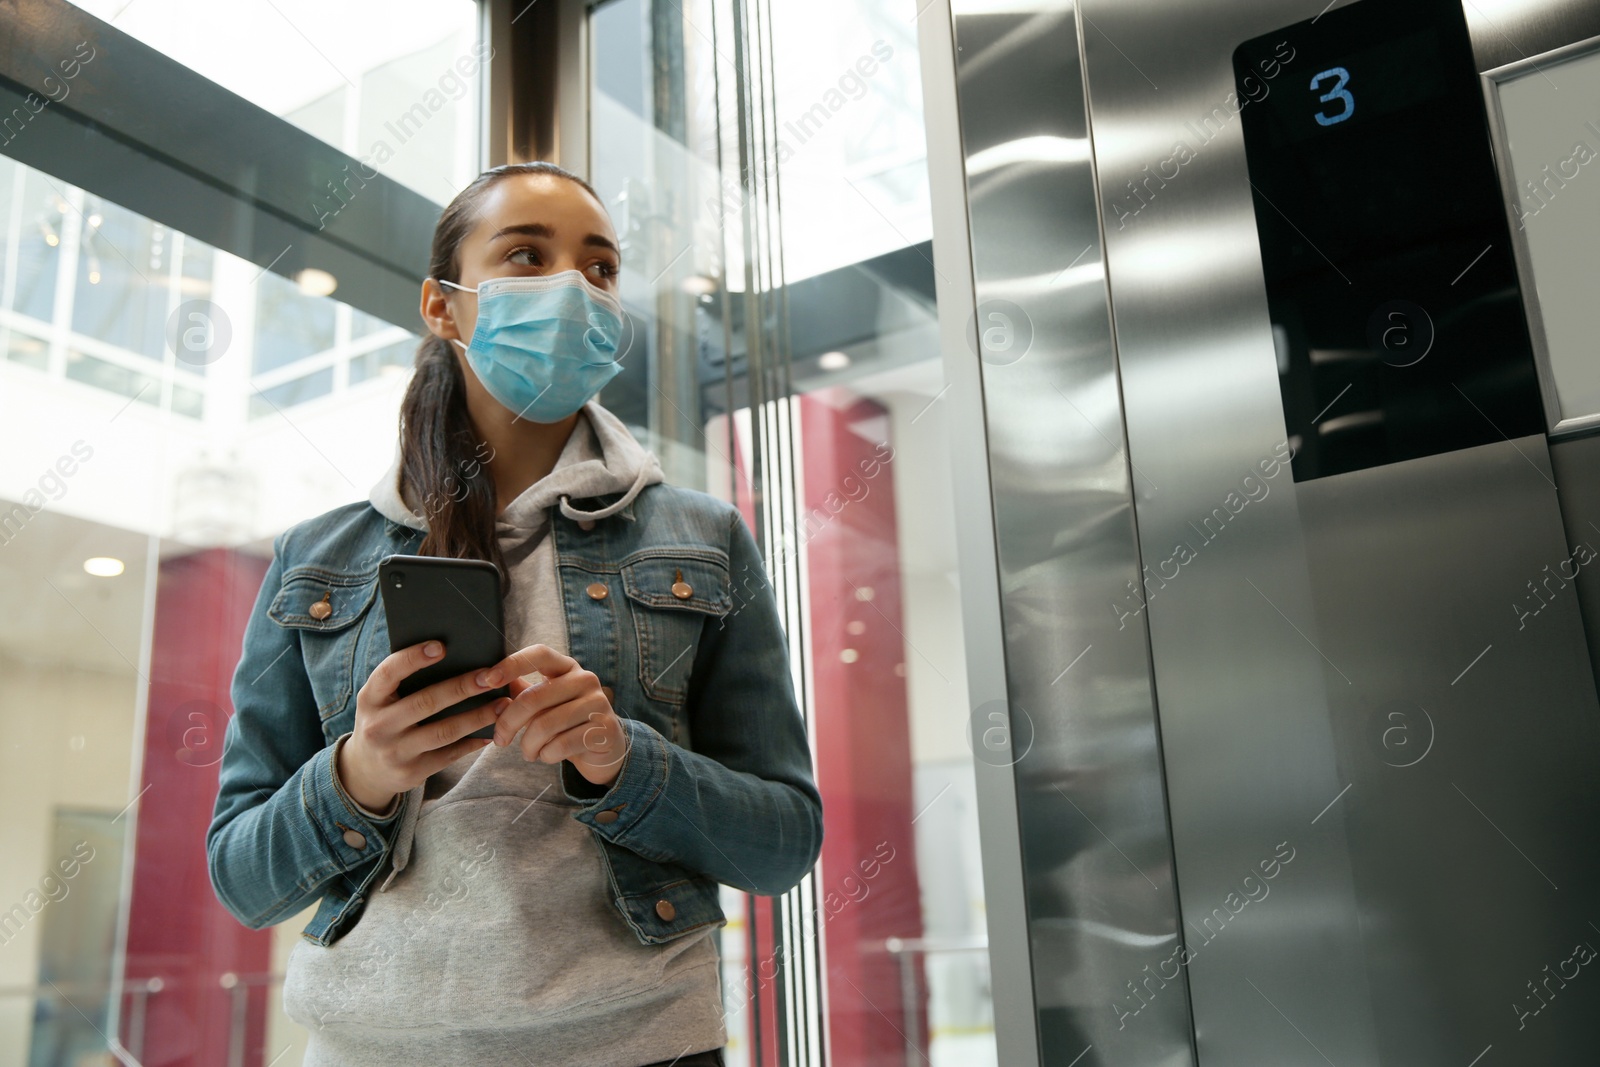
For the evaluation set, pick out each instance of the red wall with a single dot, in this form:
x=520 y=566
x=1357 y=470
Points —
x=177 y=931
x=862 y=728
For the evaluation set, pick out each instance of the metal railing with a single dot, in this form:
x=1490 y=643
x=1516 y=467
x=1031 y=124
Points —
x=906 y=951
x=138 y=992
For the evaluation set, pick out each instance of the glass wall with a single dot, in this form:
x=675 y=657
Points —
x=166 y=409
x=766 y=165
x=393 y=83
x=146 y=474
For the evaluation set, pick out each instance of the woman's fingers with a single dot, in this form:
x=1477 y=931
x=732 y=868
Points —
x=440 y=758
x=595 y=734
x=542 y=658
x=438 y=696
x=419 y=741
x=396 y=667
x=538 y=743
x=517 y=685
x=533 y=698
x=595 y=749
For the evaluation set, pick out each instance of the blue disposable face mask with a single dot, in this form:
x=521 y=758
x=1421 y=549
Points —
x=544 y=346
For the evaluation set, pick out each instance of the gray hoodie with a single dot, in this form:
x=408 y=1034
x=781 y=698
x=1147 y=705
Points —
x=492 y=939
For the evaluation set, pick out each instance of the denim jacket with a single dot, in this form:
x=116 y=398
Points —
x=717 y=784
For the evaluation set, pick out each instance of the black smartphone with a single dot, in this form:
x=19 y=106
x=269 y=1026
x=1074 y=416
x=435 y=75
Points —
x=454 y=601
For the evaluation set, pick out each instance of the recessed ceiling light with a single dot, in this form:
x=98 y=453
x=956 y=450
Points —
x=698 y=285
x=103 y=566
x=314 y=282
x=833 y=361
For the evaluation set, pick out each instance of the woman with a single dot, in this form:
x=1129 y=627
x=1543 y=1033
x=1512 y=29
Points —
x=548 y=897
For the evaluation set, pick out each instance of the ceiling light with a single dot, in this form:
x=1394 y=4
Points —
x=314 y=282
x=103 y=566
x=833 y=361
x=698 y=285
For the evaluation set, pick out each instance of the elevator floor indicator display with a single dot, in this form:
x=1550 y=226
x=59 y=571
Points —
x=1391 y=281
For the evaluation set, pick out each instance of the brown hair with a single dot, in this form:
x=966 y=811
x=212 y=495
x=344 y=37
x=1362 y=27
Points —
x=439 y=450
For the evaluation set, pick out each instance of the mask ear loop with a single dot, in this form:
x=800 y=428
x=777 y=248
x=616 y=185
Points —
x=464 y=289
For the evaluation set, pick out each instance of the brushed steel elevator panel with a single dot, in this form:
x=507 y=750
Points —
x=1288 y=621
x=1097 y=860
x=1469 y=734
x=1306 y=771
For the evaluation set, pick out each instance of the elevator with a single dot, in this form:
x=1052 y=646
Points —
x=1286 y=325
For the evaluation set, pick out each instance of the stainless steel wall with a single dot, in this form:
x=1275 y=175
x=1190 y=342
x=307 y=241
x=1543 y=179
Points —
x=1323 y=754
x=1101 y=905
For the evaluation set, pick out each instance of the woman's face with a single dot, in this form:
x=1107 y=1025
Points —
x=528 y=225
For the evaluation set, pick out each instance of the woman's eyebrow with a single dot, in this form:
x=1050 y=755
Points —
x=539 y=229
x=531 y=229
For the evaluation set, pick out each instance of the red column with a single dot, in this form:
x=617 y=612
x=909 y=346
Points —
x=868 y=886
x=177 y=931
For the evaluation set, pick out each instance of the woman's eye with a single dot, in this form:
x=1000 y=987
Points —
x=605 y=270
x=529 y=257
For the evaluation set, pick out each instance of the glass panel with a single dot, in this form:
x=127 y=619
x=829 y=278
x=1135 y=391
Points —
x=41 y=219
x=852 y=150
x=29 y=351
x=788 y=356
x=393 y=83
x=290 y=393
x=121 y=293
x=113 y=377
x=290 y=325
x=362 y=324
x=386 y=360
x=135 y=481
x=194 y=282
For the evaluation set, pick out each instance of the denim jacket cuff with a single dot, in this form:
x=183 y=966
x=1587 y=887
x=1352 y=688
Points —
x=614 y=812
x=352 y=838
x=372 y=816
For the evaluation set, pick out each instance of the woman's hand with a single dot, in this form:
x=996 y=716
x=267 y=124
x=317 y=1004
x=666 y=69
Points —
x=566 y=711
x=388 y=753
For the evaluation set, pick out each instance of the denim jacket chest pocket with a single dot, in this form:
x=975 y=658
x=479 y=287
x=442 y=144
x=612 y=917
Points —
x=673 y=593
x=324 y=606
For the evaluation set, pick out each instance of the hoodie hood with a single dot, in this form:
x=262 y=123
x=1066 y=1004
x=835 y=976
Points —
x=601 y=457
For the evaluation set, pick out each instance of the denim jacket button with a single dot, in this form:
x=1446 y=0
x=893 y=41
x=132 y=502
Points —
x=355 y=839
x=608 y=817
x=597 y=590
x=665 y=909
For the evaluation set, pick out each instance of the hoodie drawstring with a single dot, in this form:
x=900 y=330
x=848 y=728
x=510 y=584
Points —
x=410 y=806
x=639 y=482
